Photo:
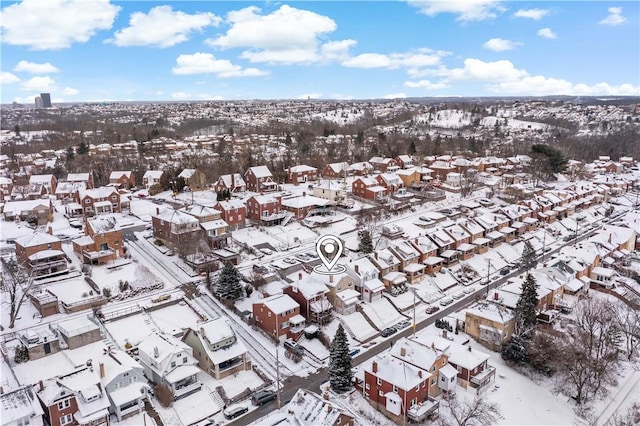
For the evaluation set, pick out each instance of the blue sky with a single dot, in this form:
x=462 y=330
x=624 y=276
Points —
x=95 y=50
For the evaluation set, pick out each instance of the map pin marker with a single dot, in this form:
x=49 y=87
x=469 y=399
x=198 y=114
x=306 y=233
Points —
x=329 y=249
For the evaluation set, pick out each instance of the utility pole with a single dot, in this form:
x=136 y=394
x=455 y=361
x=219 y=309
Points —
x=488 y=275
x=414 y=311
x=278 y=400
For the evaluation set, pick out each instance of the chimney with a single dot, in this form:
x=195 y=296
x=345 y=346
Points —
x=157 y=210
x=1 y=391
x=49 y=230
x=375 y=255
x=325 y=395
x=299 y=276
x=101 y=365
x=444 y=333
x=304 y=194
x=202 y=332
x=357 y=269
x=469 y=348
x=330 y=278
x=403 y=352
x=433 y=346
x=156 y=352
x=374 y=367
x=329 y=408
x=495 y=296
x=420 y=373
x=41 y=383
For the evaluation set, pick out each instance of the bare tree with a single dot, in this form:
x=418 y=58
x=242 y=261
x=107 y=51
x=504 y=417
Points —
x=628 y=321
x=630 y=418
x=591 y=350
x=16 y=282
x=476 y=411
x=468 y=182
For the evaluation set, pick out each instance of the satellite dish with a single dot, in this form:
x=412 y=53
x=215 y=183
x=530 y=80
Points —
x=89 y=362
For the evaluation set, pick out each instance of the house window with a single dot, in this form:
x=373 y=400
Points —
x=433 y=381
x=380 y=393
x=173 y=364
x=368 y=386
x=64 y=404
x=379 y=381
x=67 y=418
x=414 y=401
x=395 y=388
x=184 y=360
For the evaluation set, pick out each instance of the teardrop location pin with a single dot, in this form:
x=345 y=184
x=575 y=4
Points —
x=329 y=249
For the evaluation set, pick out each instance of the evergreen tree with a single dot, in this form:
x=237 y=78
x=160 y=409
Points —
x=82 y=148
x=340 y=373
x=366 y=244
x=70 y=154
x=528 y=256
x=412 y=147
x=514 y=350
x=525 y=311
x=21 y=354
x=228 y=285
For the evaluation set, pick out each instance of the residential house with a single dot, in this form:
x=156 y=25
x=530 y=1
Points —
x=366 y=279
x=217 y=348
x=177 y=229
x=440 y=169
x=265 y=209
x=369 y=189
x=490 y=324
x=443 y=240
x=67 y=190
x=427 y=359
x=152 y=177
x=301 y=174
x=234 y=183
x=409 y=258
x=384 y=164
x=234 y=212
x=6 y=186
x=335 y=170
x=103 y=200
x=20 y=407
x=390 y=181
x=102 y=241
x=342 y=293
x=307 y=408
x=393 y=386
x=459 y=235
x=425 y=246
x=41 y=253
x=77 y=398
x=330 y=191
x=168 y=361
x=86 y=178
x=194 y=178
x=404 y=161
x=49 y=182
x=260 y=179
x=311 y=296
x=215 y=228
x=279 y=316
x=123 y=379
x=122 y=179
x=22 y=210
x=360 y=169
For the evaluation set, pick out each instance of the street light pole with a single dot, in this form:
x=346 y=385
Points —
x=414 y=311
x=488 y=275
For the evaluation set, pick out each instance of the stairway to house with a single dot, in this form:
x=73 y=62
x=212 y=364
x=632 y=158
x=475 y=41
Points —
x=152 y=413
x=217 y=399
x=364 y=315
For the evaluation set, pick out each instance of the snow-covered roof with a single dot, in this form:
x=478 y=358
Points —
x=234 y=203
x=103 y=223
x=214 y=224
x=231 y=181
x=187 y=173
x=36 y=239
x=102 y=192
x=492 y=312
x=115 y=175
x=77 y=177
x=19 y=404
x=395 y=371
x=176 y=216
x=279 y=303
x=303 y=202
x=17 y=207
x=301 y=169
x=153 y=174
x=261 y=171
x=41 y=179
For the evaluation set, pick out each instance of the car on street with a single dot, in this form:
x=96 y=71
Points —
x=402 y=324
x=446 y=212
x=505 y=270
x=354 y=352
x=446 y=301
x=234 y=411
x=469 y=290
x=388 y=331
x=294 y=347
x=432 y=309
x=485 y=202
x=458 y=295
x=262 y=397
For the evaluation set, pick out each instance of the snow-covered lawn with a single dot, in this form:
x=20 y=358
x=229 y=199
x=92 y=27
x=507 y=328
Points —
x=357 y=325
x=174 y=318
x=513 y=123
x=72 y=290
x=382 y=313
x=121 y=270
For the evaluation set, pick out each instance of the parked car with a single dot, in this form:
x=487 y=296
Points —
x=505 y=270
x=293 y=346
x=354 y=352
x=469 y=290
x=432 y=309
x=266 y=251
x=235 y=411
x=262 y=397
x=402 y=324
x=260 y=269
x=458 y=295
x=485 y=202
x=75 y=223
x=446 y=301
x=388 y=331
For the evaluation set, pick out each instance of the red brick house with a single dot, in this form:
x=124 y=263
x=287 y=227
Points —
x=301 y=174
x=122 y=179
x=301 y=206
x=265 y=209
x=234 y=212
x=260 y=179
x=6 y=185
x=369 y=188
x=404 y=161
x=48 y=181
x=177 y=229
x=311 y=296
x=103 y=200
x=335 y=170
x=390 y=181
x=384 y=164
x=41 y=253
x=102 y=241
x=279 y=316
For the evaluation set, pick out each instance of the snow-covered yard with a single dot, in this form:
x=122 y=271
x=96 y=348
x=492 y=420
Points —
x=382 y=313
x=357 y=325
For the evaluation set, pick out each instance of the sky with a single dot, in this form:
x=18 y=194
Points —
x=106 y=50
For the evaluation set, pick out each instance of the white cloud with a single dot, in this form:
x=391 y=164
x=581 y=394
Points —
x=400 y=95
x=208 y=97
x=614 y=18
x=426 y=84
x=181 y=95
x=337 y=50
x=55 y=24
x=39 y=84
x=467 y=10
x=539 y=86
x=535 y=14
x=70 y=91
x=33 y=68
x=415 y=59
x=546 y=33
x=8 y=78
x=206 y=63
x=161 y=27
x=501 y=45
x=287 y=35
